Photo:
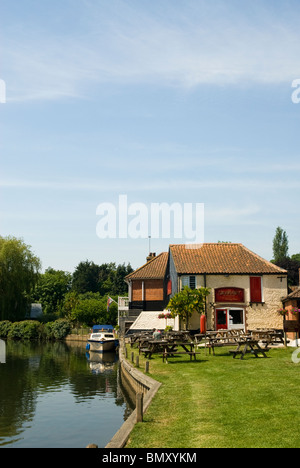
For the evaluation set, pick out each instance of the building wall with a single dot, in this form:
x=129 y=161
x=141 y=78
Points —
x=153 y=290
x=256 y=315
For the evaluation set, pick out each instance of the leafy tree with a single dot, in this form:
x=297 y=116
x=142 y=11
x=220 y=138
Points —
x=280 y=245
x=86 y=277
x=187 y=301
x=91 y=309
x=119 y=286
x=292 y=267
x=51 y=289
x=296 y=258
x=19 y=269
x=106 y=278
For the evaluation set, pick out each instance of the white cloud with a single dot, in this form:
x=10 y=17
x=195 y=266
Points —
x=184 y=47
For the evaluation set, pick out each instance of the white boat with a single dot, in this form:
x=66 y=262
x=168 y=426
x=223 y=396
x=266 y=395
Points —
x=102 y=339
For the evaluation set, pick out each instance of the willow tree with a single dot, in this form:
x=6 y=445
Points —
x=188 y=301
x=19 y=269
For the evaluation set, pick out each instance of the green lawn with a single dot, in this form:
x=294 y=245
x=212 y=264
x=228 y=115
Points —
x=218 y=401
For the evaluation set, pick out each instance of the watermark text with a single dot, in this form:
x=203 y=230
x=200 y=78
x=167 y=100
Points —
x=157 y=220
x=296 y=93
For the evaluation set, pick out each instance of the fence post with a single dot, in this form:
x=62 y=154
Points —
x=139 y=407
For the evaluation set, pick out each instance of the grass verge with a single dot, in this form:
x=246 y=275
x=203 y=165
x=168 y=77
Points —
x=221 y=402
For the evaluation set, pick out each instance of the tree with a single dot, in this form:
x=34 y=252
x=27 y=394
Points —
x=292 y=267
x=280 y=245
x=51 y=289
x=187 y=301
x=19 y=269
x=91 y=309
x=106 y=278
x=86 y=277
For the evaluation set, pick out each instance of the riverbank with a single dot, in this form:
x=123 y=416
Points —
x=221 y=402
x=138 y=383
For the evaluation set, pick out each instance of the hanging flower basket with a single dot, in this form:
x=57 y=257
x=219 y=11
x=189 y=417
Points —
x=165 y=316
x=295 y=311
x=282 y=312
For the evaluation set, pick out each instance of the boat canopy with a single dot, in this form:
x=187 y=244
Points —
x=97 y=328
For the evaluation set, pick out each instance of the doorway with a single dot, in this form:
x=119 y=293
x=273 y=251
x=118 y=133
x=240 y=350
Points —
x=230 y=318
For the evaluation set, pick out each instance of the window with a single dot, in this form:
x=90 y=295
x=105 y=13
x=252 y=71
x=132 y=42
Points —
x=193 y=282
x=255 y=289
x=189 y=281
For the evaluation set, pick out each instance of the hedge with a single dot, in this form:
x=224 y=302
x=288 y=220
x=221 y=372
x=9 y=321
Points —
x=34 y=330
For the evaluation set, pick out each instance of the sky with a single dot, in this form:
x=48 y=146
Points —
x=161 y=101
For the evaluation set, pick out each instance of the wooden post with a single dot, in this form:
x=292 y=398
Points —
x=137 y=361
x=139 y=407
x=132 y=357
x=147 y=367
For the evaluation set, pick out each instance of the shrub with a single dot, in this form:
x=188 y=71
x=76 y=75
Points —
x=5 y=327
x=58 y=329
x=26 y=330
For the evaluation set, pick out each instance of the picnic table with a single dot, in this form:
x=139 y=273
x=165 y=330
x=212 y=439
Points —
x=169 y=348
x=220 y=338
x=188 y=349
x=268 y=336
x=249 y=346
x=158 y=346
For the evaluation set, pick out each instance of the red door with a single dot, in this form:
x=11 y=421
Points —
x=221 y=319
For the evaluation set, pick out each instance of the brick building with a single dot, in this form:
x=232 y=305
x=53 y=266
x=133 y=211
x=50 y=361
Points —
x=246 y=290
x=147 y=288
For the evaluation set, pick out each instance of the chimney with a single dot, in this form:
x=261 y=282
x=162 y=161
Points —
x=152 y=255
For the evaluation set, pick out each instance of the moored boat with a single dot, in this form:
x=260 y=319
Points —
x=102 y=339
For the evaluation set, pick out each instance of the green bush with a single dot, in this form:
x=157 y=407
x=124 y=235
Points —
x=34 y=330
x=5 y=327
x=57 y=330
x=26 y=330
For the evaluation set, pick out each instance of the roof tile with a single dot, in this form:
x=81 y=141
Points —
x=220 y=258
x=154 y=269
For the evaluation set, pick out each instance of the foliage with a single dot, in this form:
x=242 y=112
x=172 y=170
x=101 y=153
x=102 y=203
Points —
x=51 y=289
x=34 y=330
x=5 y=327
x=25 y=330
x=19 y=269
x=89 y=309
x=58 y=329
x=105 y=279
x=187 y=301
x=280 y=245
x=292 y=267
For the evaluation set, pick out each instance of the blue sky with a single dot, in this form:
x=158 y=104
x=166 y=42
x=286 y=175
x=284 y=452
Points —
x=164 y=101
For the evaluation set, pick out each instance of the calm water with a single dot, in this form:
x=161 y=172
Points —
x=54 y=395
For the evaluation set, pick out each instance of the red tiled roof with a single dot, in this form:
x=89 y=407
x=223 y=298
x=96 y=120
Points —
x=153 y=269
x=220 y=258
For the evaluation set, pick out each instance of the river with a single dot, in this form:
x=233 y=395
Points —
x=55 y=395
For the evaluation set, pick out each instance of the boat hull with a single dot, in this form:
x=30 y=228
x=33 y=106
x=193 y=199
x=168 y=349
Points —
x=101 y=346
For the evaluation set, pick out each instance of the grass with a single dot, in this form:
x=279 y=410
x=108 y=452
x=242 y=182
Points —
x=221 y=402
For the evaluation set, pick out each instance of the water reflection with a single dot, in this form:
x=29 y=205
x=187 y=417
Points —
x=54 y=395
x=101 y=363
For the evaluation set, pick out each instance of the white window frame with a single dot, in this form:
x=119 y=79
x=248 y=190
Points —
x=186 y=281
